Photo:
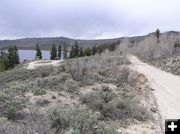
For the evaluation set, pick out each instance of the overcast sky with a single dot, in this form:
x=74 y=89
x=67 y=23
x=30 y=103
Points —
x=86 y=19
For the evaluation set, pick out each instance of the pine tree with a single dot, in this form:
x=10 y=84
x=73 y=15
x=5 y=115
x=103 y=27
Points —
x=76 y=49
x=16 y=55
x=81 y=53
x=100 y=50
x=94 y=50
x=72 y=52
x=4 y=59
x=65 y=52
x=38 y=52
x=59 y=51
x=118 y=42
x=3 y=66
x=53 y=52
x=157 y=34
x=11 y=58
x=87 y=51
x=113 y=46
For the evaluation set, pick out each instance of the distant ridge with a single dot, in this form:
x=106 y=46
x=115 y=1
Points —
x=46 y=43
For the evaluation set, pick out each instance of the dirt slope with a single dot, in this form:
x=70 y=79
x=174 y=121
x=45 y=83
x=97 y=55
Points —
x=166 y=85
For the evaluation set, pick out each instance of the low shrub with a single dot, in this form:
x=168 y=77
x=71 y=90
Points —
x=42 y=102
x=72 y=86
x=35 y=122
x=24 y=74
x=9 y=105
x=81 y=119
x=115 y=107
x=49 y=82
x=39 y=91
x=95 y=98
x=106 y=128
x=78 y=70
x=78 y=121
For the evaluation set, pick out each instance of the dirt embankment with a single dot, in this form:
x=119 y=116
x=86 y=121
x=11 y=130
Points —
x=171 y=64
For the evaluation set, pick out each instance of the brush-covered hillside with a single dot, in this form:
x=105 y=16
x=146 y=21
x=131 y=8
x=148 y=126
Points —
x=89 y=95
x=162 y=52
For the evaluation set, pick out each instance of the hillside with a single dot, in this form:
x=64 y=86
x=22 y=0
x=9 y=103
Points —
x=163 y=53
x=168 y=38
x=88 y=95
x=45 y=43
x=94 y=94
x=149 y=48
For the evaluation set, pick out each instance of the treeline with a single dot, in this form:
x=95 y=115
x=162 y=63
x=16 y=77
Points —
x=54 y=52
x=77 y=51
x=9 y=58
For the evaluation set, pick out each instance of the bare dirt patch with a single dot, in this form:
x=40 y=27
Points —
x=41 y=63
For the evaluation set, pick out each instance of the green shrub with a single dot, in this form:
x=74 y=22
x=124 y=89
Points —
x=72 y=86
x=78 y=121
x=42 y=102
x=39 y=91
x=44 y=74
x=112 y=107
x=22 y=74
x=2 y=66
x=106 y=128
x=103 y=96
x=10 y=105
x=81 y=119
x=49 y=82
x=19 y=89
x=78 y=70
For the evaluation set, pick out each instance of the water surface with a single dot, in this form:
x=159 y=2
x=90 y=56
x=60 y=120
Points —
x=31 y=54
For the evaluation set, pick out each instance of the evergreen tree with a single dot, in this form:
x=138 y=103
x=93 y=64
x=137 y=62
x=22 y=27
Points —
x=113 y=46
x=38 y=52
x=2 y=63
x=53 y=52
x=16 y=55
x=81 y=53
x=100 y=50
x=157 y=34
x=87 y=51
x=76 y=49
x=11 y=57
x=59 y=51
x=65 y=52
x=118 y=42
x=72 y=52
x=4 y=58
x=94 y=50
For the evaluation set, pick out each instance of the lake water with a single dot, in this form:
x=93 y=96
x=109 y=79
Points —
x=31 y=54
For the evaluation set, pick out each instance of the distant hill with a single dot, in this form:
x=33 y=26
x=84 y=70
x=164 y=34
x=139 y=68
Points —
x=149 y=48
x=46 y=43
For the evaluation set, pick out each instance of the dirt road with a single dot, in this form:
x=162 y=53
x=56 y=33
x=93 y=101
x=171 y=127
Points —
x=166 y=85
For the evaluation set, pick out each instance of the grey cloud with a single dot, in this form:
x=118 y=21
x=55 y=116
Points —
x=88 y=19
